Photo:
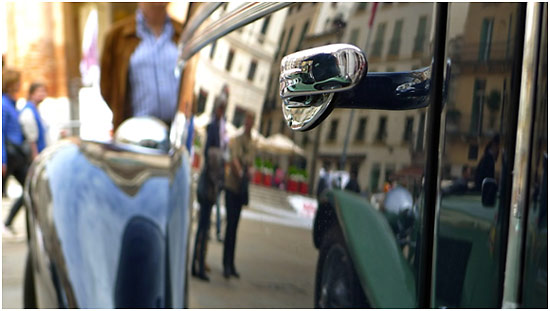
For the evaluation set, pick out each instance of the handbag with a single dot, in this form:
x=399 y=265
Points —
x=211 y=178
x=18 y=155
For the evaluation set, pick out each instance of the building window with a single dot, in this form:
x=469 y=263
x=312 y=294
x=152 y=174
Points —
x=265 y=25
x=396 y=38
x=354 y=36
x=288 y=40
x=298 y=7
x=485 y=39
x=252 y=70
x=334 y=5
x=238 y=117
x=263 y=31
x=361 y=129
x=407 y=135
x=229 y=61
x=382 y=131
x=333 y=130
x=212 y=50
x=379 y=40
x=473 y=150
x=201 y=101
x=280 y=44
x=361 y=6
x=476 y=120
x=302 y=35
x=420 y=35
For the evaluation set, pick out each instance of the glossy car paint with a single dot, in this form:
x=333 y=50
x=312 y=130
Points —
x=84 y=199
x=386 y=277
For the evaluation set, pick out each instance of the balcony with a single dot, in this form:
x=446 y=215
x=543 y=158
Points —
x=496 y=60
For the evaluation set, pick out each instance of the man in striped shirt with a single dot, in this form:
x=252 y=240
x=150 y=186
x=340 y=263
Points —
x=138 y=65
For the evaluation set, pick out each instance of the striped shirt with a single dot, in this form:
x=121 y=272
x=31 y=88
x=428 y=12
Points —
x=153 y=83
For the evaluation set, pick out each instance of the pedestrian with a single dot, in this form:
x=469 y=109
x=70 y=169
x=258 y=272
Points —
x=15 y=151
x=242 y=155
x=486 y=166
x=31 y=122
x=324 y=177
x=353 y=183
x=138 y=64
x=210 y=183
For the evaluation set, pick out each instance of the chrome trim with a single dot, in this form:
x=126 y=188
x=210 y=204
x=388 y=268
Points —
x=304 y=116
x=244 y=14
x=204 y=11
x=146 y=133
x=326 y=69
x=512 y=275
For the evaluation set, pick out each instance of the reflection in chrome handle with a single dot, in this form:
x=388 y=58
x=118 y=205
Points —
x=326 y=69
x=143 y=132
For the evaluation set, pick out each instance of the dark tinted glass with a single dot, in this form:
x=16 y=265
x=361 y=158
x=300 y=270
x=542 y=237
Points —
x=479 y=133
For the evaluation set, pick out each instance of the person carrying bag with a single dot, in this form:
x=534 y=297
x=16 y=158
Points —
x=236 y=191
x=209 y=184
x=15 y=150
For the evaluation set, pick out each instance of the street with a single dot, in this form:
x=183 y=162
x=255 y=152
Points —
x=274 y=256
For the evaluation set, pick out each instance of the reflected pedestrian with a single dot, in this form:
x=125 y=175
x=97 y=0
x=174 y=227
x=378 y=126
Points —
x=15 y=152
x=137 y=65
x=242 y=155
x=31 y=122
x=353 y=184
x=486 y=166
x=210 y=183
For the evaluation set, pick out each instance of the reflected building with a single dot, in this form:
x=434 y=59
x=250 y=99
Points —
x=482 y=50
x=380 y=146
x=242 y=61
x=307 y=25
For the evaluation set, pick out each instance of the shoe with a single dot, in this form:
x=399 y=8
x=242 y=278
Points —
x=235 y=273
x=202 y=276
x=226 y=273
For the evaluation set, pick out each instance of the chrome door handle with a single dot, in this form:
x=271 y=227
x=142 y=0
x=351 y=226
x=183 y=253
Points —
x=327 y=69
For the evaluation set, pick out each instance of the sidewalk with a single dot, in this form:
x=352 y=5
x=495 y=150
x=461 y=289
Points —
x=14 y=251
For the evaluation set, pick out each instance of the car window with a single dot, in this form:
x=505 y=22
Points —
x=477 y=153
x=384 y=152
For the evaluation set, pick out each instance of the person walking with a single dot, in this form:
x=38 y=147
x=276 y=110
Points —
x=137 y=65
x=31 y=122
x=210 y=183
x=241 y=159
x=15 y=155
